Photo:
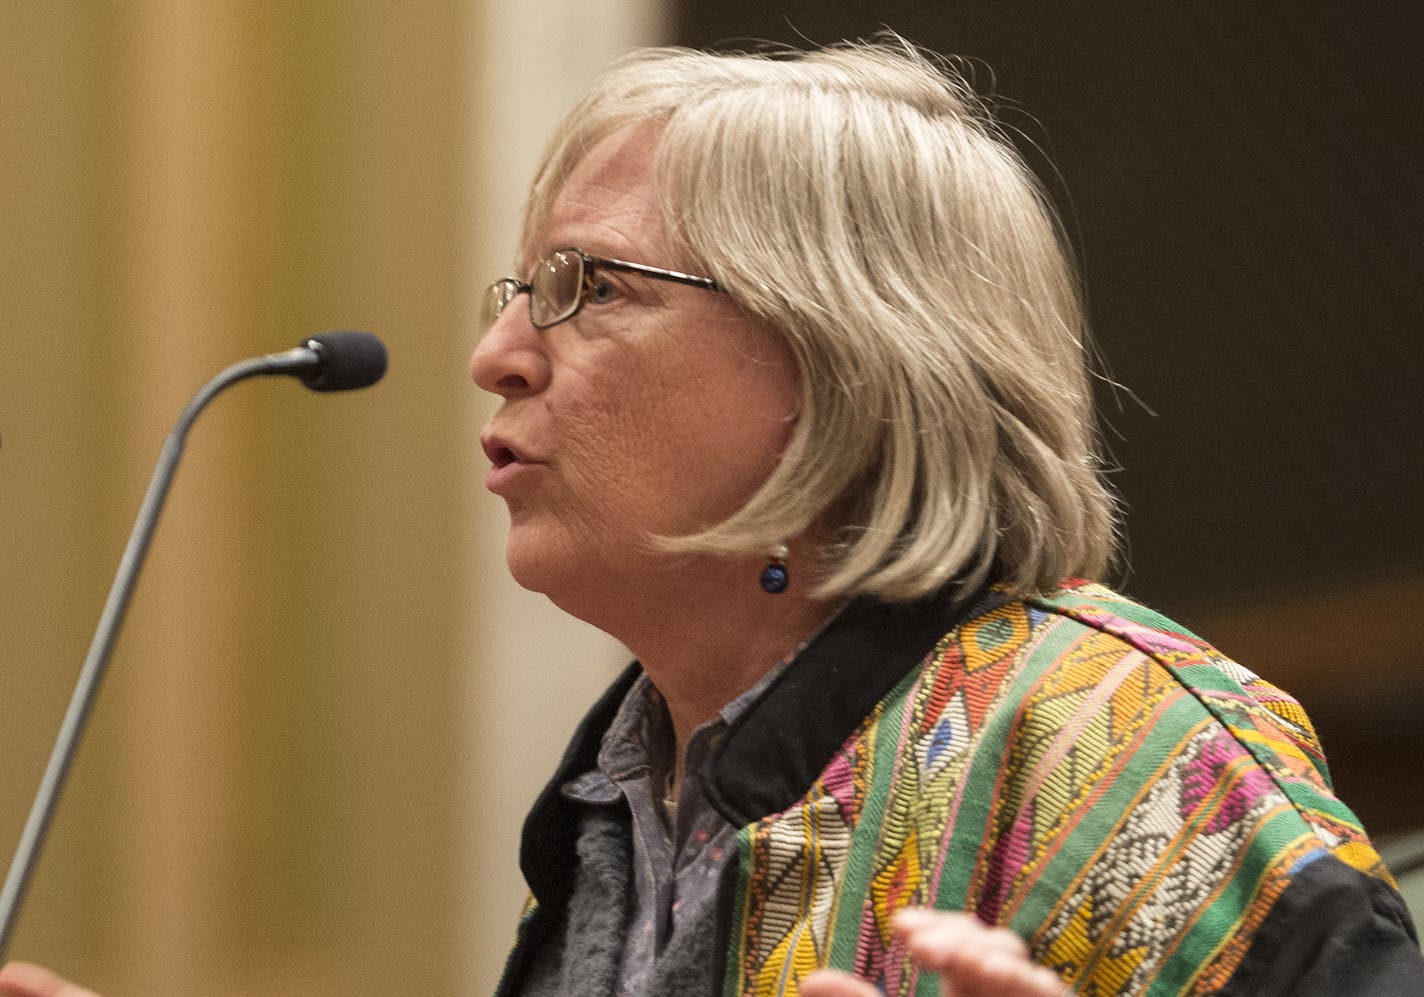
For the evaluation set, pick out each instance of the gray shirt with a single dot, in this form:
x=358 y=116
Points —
x=679 y=849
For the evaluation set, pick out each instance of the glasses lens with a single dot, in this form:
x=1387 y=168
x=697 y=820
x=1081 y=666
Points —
x=555 y=288
x=497 y=299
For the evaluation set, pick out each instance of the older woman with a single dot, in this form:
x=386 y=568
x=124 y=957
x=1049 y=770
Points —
x=794 y=404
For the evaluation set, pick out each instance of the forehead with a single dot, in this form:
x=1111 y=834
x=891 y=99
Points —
x=609 y=204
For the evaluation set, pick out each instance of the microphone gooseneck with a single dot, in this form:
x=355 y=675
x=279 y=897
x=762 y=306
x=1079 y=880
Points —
x=332 y=361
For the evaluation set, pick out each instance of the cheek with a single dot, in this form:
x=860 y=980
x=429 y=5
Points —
x=661 y=465
x=605 y=450
x=730 y=435
x=757 y=400
x=677 y=443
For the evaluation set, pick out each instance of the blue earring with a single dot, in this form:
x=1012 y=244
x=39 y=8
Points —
x=774 y=577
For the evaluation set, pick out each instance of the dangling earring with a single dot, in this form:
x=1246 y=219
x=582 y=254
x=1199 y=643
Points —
x=774 y=577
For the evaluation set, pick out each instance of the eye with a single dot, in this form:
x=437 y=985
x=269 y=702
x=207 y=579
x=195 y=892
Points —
x=601 y=291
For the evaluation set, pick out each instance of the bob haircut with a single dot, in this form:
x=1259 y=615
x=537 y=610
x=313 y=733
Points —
x=861 y=200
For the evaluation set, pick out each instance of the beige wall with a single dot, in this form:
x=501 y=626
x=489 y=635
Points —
x=329 y=707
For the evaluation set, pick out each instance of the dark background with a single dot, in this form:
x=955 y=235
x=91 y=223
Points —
x=1242 y=185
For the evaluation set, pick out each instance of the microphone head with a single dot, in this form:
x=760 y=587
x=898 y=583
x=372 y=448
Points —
x=347 y=360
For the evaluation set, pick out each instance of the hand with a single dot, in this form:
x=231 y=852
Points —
x=972 y=960
x=24 y=979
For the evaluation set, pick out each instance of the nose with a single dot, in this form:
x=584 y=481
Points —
x=509 y=360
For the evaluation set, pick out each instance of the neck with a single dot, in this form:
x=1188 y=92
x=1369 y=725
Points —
x=713 y=659
x=705 y=632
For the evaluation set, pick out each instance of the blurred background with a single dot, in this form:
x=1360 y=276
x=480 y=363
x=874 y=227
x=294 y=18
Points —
x=329 y=707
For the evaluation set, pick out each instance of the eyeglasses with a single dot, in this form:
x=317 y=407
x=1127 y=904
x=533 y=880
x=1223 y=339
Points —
x=564 y=280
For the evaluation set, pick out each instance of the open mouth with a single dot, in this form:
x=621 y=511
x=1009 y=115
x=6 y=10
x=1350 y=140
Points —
x=500 y=454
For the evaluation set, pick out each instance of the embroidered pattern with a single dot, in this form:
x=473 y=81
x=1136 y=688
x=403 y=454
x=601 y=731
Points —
x=1078 y=768
x=792 y=867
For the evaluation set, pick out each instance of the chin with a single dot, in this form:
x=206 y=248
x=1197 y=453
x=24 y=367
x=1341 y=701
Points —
x=543 y=560
x=561 y=570
x=527 y=567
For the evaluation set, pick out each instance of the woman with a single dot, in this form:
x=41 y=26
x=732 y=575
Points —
x=794 y=404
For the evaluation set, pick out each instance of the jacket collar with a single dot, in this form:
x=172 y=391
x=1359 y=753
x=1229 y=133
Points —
x=772 y=755
x=551 y=830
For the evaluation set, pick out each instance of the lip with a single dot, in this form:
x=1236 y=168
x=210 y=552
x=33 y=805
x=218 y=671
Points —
x=508 y=462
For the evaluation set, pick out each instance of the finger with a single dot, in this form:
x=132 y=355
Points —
x=999 y=975
x=941 y=937
x=973 y=958
x=834 y=983
x=25 y=979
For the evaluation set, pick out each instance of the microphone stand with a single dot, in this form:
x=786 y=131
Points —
x=96 y=663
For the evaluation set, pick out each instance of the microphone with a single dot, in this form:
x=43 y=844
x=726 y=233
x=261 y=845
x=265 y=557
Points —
x=330 y=361
x=334 y=361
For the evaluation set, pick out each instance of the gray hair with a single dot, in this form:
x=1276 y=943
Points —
x=862 y=200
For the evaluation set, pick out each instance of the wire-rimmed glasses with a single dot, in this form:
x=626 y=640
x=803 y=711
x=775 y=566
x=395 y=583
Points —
x=563 y=280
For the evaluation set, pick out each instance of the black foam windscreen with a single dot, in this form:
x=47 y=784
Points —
x=348 y=360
